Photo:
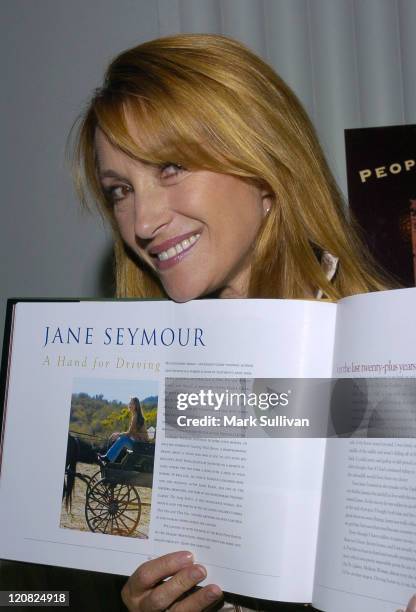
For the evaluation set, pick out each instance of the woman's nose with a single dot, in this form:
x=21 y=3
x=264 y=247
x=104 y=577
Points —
x=151 y=214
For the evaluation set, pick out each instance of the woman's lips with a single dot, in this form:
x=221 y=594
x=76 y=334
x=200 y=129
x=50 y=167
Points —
x=172 y=251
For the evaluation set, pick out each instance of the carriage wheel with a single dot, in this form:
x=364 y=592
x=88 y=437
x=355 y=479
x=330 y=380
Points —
x=92 y=481
x=113 y=508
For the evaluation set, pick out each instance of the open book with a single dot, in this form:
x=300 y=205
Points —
x=330 y=521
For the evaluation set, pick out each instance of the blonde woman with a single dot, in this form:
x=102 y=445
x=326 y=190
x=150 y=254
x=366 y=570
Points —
x=212 y=178
x=137 y=432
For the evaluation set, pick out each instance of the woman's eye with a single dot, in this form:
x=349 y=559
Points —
x=170 y=169
x=117 y=192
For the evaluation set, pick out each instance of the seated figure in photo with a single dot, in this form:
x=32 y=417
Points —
x=137 y=432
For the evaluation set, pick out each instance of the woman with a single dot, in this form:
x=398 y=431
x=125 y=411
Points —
x=136 y=432
x=213 y=180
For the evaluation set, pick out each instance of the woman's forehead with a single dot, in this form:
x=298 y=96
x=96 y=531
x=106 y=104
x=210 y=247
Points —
x=110 y=159
x=129 y=146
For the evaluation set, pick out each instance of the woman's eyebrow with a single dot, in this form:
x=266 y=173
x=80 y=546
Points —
x=111 y=174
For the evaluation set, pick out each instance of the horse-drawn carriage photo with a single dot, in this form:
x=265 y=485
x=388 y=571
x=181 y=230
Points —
x=109 y=474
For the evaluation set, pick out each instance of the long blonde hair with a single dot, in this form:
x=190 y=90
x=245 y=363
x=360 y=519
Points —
x=207 y=102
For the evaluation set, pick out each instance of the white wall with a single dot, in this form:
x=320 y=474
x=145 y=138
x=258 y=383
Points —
x=53 y=54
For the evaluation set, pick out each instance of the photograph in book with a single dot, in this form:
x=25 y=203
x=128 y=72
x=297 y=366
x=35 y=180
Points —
x=381 y=172
x=109 y=460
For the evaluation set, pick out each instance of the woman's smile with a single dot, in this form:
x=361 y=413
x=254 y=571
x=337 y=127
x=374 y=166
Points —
x=171 y=252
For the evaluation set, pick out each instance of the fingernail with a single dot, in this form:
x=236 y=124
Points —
x=214 y=592
x=186 y=557
x=411 y=606
x=198 y=572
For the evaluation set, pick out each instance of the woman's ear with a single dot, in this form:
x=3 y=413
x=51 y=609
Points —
x=267 y=200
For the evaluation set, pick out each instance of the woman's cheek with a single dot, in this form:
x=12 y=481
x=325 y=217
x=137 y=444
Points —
x=125 y=221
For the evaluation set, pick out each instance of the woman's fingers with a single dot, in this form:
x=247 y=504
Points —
x=165 y=595
x=411 y=606
x=199 y=601
x=144 y=591
x=140 y=583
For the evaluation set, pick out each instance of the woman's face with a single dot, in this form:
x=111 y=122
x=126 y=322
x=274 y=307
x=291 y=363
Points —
x=195 y=229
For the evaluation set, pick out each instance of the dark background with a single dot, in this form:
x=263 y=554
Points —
x=382 y=205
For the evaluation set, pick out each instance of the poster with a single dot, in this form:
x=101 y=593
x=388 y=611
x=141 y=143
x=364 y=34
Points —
x=381 y=173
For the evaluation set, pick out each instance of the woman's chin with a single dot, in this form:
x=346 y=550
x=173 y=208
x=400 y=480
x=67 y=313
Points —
x=182 y=298
x=182 y=294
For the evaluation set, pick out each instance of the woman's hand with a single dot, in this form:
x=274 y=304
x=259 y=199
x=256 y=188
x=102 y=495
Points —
x=411 y=606
x=113 y=437
x=145 y=592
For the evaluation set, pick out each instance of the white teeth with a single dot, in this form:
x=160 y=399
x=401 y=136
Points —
x=178 y=248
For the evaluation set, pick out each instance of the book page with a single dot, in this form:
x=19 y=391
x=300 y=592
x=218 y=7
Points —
x=366 y=555
x=247 y=508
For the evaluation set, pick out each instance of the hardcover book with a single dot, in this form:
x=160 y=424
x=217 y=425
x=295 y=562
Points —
x=274 y=502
